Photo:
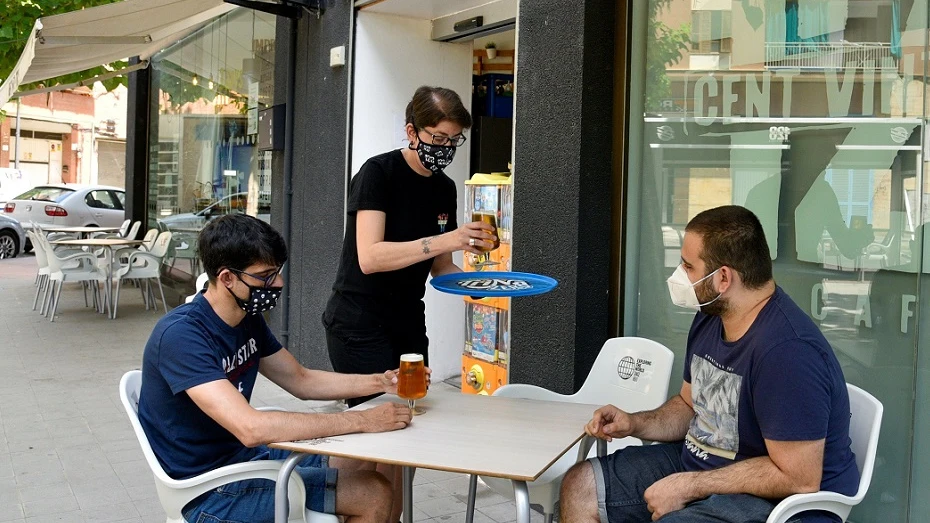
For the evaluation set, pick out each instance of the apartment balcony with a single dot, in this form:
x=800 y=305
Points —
x=829 y=55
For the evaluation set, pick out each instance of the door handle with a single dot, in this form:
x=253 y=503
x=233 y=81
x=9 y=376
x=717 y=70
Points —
x=98 y=214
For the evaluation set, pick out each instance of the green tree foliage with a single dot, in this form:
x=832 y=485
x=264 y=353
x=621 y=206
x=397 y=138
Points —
x=664 y=47
x=17 y=18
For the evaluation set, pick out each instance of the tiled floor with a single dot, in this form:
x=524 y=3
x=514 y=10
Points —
x=67 y=452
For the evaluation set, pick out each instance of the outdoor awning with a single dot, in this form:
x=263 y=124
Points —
x=80 y=40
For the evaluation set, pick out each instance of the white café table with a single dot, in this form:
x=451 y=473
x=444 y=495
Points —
x=108 y=244
x=509 y=438
x=79 y=229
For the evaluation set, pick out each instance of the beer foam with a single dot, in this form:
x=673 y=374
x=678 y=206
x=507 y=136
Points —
x=411 y=358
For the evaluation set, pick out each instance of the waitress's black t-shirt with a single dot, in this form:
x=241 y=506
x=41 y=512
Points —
x=416 y=207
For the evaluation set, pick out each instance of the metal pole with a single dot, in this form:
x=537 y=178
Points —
x=408 y=495
x=288 y=169
x=472 y=493
x=18 y=129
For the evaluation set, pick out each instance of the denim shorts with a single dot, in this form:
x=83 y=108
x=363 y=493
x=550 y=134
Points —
x=623 y=477
x=252 y=501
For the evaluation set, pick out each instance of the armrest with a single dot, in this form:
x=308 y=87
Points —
x=64 y=250
x=78 y=256
x=823 y=500
x=264 y=469
x=144 y=255
x=585 y=447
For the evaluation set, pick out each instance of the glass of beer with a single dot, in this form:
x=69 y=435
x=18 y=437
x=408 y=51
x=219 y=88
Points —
x=411 y=381
x=490 y=218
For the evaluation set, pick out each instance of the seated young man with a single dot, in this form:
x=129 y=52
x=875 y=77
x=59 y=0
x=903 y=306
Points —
x=198 y=370
x=763 y=411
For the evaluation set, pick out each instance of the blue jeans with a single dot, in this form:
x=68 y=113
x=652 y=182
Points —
x=623 y=477
x=252 y=501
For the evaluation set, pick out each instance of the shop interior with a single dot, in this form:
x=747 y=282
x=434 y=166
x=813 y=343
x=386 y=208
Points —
x=469 y=46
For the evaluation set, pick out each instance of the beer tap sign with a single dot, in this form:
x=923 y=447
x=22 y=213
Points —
x=503 y=284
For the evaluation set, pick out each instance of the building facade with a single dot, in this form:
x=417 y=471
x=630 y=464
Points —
x=629 y=119
x=73 y=136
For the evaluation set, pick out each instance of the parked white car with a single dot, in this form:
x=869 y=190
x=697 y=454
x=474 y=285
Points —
x=68 y=204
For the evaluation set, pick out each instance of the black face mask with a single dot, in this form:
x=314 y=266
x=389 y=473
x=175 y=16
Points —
x=261 y=299
x=434 y=157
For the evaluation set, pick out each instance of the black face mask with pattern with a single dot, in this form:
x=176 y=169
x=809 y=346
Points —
x=434 y=157
x=261 y=299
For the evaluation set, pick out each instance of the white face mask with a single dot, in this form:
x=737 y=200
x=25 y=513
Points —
x=682 y=290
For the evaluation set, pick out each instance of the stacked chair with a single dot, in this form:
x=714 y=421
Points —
x=144 y=265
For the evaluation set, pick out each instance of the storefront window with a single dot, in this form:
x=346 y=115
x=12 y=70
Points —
x=204 y=159
x=812 y=114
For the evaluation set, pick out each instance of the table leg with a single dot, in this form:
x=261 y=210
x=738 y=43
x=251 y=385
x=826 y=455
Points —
x=472 y=493
x=522 y=498
x=111 y=312
x=408 y=495
x=281 y=505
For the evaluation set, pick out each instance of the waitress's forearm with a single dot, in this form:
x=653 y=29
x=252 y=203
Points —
x=391 y=256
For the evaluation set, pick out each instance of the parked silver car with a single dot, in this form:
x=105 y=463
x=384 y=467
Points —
x=12 y=237
x=69 y=204
x=233 y=203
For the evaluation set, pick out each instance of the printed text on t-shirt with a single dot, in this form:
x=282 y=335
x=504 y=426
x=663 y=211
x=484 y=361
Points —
x=232 y=363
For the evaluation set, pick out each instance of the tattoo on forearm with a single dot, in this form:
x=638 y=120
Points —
x=426 y=242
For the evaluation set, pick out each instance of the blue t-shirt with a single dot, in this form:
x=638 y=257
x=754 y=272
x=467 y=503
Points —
x=780 y=381
x=191 y=346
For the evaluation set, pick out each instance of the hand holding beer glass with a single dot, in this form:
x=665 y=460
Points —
x=411 y=379
x=490 y=218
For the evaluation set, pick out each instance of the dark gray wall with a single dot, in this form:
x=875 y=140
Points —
x=319 y=178
x=562 y=201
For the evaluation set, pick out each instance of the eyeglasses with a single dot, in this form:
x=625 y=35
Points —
x=266 y=280
x=441 y=139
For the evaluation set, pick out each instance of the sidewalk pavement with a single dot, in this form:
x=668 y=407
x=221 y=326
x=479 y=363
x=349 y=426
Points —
x=67 y=451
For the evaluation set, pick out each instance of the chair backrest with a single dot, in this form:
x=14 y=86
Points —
x=41 y=257
x=864 y=426
x=130 y=387
x=51 y=259
x=133 y=231
x=160 y=248
x=199 y=286
x=631 y=373
x=122 y=228
x=148 y=241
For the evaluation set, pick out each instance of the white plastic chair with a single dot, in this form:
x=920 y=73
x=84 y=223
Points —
x=864 y=426
x=175 y=493
x=201 y=282
x=121 y=233
x=124 y=228
x=42 y=271
x=59 y=272
x=143 y=265
x=148 y=242
x=631 y=373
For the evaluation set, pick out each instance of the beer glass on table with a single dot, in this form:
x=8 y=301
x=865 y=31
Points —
x=411 y=380
x=490 y=218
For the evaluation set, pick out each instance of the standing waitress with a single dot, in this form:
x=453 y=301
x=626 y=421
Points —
x=401 y=227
